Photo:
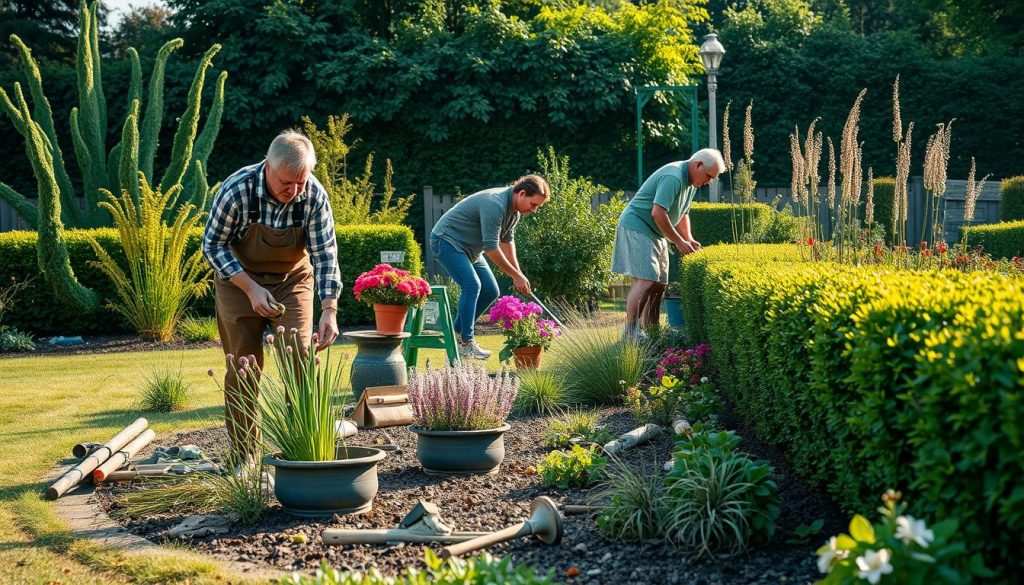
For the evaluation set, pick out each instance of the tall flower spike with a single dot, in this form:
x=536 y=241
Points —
x=869 y=204
x=831 y=194
x=726 y=142
x=748 y=135
x=897 y=122
x=797 y=160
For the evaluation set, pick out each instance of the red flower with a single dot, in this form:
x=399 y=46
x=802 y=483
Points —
x=941 y=248
x=810 y=241
x=924 y=246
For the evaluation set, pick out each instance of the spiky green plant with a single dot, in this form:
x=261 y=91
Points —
x=597 y=365
x=575 y=424
x=165 y=391
x=540 y=392
x=162 y=279
x=114 y=169
x=198 y=329
x=633 y=504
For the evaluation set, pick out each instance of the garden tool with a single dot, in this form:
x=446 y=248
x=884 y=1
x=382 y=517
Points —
x=95 y=459
x=547 y=310
x=545 y=522
x=422 y=524
x=84 y=448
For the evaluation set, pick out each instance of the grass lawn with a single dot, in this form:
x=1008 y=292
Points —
x=49 y=403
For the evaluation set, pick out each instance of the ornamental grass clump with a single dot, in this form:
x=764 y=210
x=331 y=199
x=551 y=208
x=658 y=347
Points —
x=461 y=397
x=387 y=285
x=165 y=391
x=297 y=406
x=540 y=392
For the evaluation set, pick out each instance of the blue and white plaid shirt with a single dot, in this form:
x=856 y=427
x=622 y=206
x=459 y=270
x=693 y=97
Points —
x=229 y=218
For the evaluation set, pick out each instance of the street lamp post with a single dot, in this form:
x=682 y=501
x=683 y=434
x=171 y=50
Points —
x=711 y=53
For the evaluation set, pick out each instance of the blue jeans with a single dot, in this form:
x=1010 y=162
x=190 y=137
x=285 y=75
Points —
x=479 y=288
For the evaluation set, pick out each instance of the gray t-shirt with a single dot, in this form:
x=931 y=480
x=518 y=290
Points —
x=666 y=187
x=479 y=222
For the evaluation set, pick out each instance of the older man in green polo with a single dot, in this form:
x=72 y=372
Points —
x=656 y=217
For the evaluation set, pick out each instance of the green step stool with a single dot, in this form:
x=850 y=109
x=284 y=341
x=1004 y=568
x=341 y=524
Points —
x=437 y=314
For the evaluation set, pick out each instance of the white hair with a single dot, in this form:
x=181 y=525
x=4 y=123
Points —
x=710 y=157
x=292 y=150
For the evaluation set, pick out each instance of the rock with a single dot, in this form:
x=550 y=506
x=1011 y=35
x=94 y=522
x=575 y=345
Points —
x=581 y=547
x=594 y=572
x=200 y=525
x=607 y=557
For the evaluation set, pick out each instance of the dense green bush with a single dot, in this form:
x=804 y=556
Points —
x=1011 y=199
x=578 y=467
x=873 y=378
x=1001 y=240
x=712 y=223
x=482 y=569
x=885 y=190
x=36 y=310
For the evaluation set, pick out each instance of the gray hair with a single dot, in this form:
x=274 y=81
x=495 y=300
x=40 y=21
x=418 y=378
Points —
x=292 y=150
x=710 y=157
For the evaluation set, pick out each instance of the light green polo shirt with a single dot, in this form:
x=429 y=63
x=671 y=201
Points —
x=668 y=187
x=479 y=221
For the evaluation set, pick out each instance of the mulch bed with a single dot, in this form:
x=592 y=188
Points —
x=106 y=344
x=491 y=503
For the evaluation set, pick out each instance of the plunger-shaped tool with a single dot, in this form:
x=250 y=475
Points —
x=544 y=522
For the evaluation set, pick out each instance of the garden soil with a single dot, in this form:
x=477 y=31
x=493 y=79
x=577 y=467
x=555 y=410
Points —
x=584 y=556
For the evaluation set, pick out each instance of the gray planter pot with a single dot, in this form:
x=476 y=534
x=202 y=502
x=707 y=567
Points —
x=461 y=452
x=323 y=488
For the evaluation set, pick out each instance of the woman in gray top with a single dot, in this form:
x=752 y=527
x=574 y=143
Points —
x=484 y=223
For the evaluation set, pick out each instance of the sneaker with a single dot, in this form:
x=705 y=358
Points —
x=471 y=349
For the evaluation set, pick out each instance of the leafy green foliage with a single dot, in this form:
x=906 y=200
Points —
x=671 y=399
x=164 y=391
x=482 y=569
x=576 y=468
x=711 y=223
x=162 y=277
x=575 y=424
x=719 y=500
x=885 y=190
x=1001 y=240
x=1011 y=199
x=859 y=373
x=12 y=339
x=352 y=201
x=198 y=329
x=540 y=392
x=633 y=503
x=566 y=246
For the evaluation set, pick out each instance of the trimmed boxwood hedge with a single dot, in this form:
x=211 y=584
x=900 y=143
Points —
x=711 y=223
x=872 y=378
x=1011 y=199
x=37 y=311
x=1001 y=240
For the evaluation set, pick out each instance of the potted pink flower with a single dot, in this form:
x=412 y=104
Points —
x=526 y=334
x=391 y=291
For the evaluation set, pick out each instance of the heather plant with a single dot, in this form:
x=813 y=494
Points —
x=295 y=407
x=577 y=468
x=482 y=569
x=898 y=549
x=719 y=499
x=575 y=425
x=162 y=278
x=690 y=364
x=165 y=391
x=540 y=392
x=633 y=503
x=462 y=397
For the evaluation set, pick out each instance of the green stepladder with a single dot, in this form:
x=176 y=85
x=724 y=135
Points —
x=436 y=313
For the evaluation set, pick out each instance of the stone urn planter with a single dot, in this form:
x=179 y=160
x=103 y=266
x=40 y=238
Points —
x=477 y=452
x=346 y=485
x=528 y=357
x=390 y=319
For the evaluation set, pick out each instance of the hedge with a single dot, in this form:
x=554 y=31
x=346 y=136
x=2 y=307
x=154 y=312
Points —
x=885 y=190
x=872 y=378
x=711 y=223
x=1011 y=199
x=37 y=311
x=1001 y=240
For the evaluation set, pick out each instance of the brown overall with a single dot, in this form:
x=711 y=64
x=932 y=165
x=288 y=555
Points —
x=278 y=261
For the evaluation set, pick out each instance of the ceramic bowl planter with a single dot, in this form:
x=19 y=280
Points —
x=390 y=319
x=346 y=485
x=528 y=357
x=477 y=452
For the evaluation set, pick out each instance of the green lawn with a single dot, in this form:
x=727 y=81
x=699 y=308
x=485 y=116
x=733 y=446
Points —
x=49 y=403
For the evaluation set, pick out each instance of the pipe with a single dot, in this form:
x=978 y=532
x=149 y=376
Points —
x=84 y=448
x=633 y=438
x=117 y=460
x=383 y=536
x=95 y=459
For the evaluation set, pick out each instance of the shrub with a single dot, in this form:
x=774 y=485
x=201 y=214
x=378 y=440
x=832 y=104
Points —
x=566 y=246
x=719 y=500
x=775 y=227
x=12 y=339
x=462 y=397
x=885 y=190
x=860 y=373
x=633 y=503
x=711 y=223
x=576 y=468
x=672 y=398
x=198 y=329
x=451 y=288
x=479 y=570
x=165 y=391
x=575 y=425
x=1001 y=240
x=597 y=365
x=540 y=392
x=1011 y=199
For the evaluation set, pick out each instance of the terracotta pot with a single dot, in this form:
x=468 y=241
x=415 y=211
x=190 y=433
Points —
x=460 y=452
x=390 y=318
x=528 y=357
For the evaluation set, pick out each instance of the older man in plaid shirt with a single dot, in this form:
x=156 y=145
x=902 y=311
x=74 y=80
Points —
x=270 y=231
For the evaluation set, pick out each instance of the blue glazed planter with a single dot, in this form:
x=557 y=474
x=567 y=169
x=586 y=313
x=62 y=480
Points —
x=674 y=312
x=461 y=452
x=323 y=488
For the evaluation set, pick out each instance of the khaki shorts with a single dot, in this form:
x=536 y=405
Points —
x=639 y=256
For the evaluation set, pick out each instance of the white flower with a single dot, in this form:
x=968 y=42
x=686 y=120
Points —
x=704 y=380
x=874 y=564
x=909 y=529
x=668 y=465
x=828 y=554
